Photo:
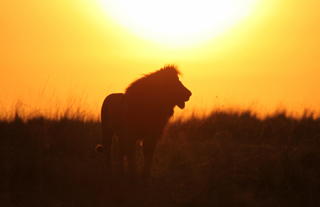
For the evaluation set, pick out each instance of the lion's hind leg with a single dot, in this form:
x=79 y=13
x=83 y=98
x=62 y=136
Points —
x=127 y=157
x=107 y=135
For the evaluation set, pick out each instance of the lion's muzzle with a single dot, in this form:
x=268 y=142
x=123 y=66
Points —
x=186 y=96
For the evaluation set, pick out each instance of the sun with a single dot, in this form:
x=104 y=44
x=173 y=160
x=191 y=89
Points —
x=178 y=22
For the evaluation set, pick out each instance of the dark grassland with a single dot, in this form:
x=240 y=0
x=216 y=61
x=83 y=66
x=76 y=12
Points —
x=227 y=159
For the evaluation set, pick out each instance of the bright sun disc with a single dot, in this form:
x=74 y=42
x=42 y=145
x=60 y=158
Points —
x=178 y=21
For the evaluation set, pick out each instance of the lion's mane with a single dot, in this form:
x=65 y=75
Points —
x=149 y=97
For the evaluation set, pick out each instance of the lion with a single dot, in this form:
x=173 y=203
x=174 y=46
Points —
x=141 y=113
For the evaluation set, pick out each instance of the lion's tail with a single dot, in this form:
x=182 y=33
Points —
x=99 y=148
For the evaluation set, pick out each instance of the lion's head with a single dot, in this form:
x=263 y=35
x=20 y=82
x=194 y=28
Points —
x=161 y=87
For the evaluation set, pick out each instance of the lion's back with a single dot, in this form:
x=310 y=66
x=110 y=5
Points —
x=113 y=109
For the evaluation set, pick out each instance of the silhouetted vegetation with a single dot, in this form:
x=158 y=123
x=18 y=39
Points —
x=226 y=159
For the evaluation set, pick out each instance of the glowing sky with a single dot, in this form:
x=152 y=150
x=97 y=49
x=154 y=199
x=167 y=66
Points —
x=59 y=54
x=178 y=22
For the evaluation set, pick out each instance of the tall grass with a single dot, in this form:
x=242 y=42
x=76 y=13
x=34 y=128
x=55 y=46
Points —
x=229 y=158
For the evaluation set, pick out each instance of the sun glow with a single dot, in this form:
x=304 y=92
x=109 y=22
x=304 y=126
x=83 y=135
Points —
x=178 y=21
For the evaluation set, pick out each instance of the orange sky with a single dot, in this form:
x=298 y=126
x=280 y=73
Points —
x=56 y=54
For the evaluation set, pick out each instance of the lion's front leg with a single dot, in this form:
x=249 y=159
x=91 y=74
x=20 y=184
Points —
x=149 y=145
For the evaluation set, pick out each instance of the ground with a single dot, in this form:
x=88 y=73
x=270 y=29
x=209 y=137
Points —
x=226 y=159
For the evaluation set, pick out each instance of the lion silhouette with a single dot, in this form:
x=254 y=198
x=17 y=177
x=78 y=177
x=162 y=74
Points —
x=141 y=113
